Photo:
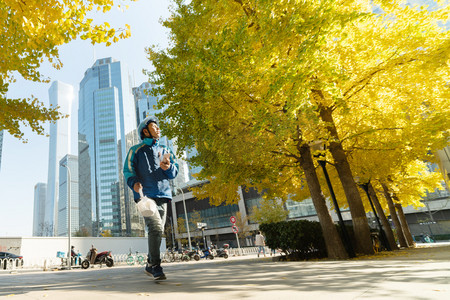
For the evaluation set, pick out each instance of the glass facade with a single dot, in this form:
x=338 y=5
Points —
x=107 y=168
x=62 y=95
x=40 y=193
x=300 y=209
x=219 y=216
x=214 y=216
x=106 y=120
x=145 y=103
x=66 y=184
x=296 y=209
x=192 y=169
x=251 y=199
x=84 y=184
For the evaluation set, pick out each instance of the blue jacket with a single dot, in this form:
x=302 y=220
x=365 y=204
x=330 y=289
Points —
x=142 y=165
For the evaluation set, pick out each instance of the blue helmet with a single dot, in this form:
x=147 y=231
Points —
x=145 y=123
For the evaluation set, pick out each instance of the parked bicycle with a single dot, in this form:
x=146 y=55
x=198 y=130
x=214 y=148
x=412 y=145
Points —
x=137 y=258
x=175 y=256
x=171 y=256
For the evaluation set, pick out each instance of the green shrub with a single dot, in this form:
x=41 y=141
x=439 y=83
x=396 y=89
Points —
x=441 y=237
x=299 y=239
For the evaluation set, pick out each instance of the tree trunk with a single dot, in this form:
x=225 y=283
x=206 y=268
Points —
x=405 y=225
x=386 y=226
x=398 y=226
x=359 y=218
x=335 y=247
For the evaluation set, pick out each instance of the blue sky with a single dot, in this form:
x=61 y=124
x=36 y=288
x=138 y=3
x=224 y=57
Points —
x=24 y=165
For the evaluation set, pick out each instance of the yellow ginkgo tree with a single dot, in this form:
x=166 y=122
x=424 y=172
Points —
x=31 y=32
x=251 y=84
x=218 y=81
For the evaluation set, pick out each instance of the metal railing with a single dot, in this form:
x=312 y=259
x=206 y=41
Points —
x=48 y=263
x=247 y=251
x=10 y=263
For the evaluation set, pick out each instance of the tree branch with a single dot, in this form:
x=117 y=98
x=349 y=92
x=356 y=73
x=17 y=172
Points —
x=369 y=76
x=226 y=102
x=368 y=131
x=374 y=149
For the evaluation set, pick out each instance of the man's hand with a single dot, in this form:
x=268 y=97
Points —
x=165 y=164
x=137 y=186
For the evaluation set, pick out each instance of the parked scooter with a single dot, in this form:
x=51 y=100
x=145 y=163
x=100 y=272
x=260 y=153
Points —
x=204 y=253
x=93 y=257
x=427 y=239
x=222 y=253
x=191 y=255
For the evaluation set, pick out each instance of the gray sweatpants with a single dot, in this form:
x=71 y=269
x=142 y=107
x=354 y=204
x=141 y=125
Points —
x=155 y=226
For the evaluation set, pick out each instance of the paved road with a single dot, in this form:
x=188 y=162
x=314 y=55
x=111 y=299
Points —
x=422 y=273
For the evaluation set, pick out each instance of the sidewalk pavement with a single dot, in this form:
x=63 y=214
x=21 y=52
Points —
x=419 y=273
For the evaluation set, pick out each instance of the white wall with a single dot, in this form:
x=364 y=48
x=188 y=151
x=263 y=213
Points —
x=35 y=248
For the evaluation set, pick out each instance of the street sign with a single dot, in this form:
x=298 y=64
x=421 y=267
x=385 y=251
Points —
x=233 y=219
x=201 y=225
x=235 y=229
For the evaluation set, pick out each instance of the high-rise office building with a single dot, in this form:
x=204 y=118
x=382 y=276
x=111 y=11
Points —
x=68 y=192
x=106 y=130
x=145 y=103
x=192 y=169
x=39 y=226
x=84 y=185
x=62 y=95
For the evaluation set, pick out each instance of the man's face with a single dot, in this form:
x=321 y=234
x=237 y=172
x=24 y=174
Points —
x=152 y=131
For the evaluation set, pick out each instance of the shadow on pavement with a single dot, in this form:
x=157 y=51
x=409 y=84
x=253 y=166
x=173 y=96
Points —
x=243 y=277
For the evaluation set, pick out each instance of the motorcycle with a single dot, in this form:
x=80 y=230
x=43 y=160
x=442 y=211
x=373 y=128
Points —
x=222 y=252
x=104 y=257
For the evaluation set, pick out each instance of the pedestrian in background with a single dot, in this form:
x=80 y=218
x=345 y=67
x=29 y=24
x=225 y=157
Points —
x=260 y=241
x=273 y=251
x=74 y=255
x=148 y=168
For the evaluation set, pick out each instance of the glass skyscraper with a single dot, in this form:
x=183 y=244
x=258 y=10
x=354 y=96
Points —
x=71 y=161
x=145 y=103
x=62 y=95
x=106 y=130
x=40 y=193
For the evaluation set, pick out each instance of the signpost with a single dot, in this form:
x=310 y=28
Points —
x=202 y=226
x=235 y=229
